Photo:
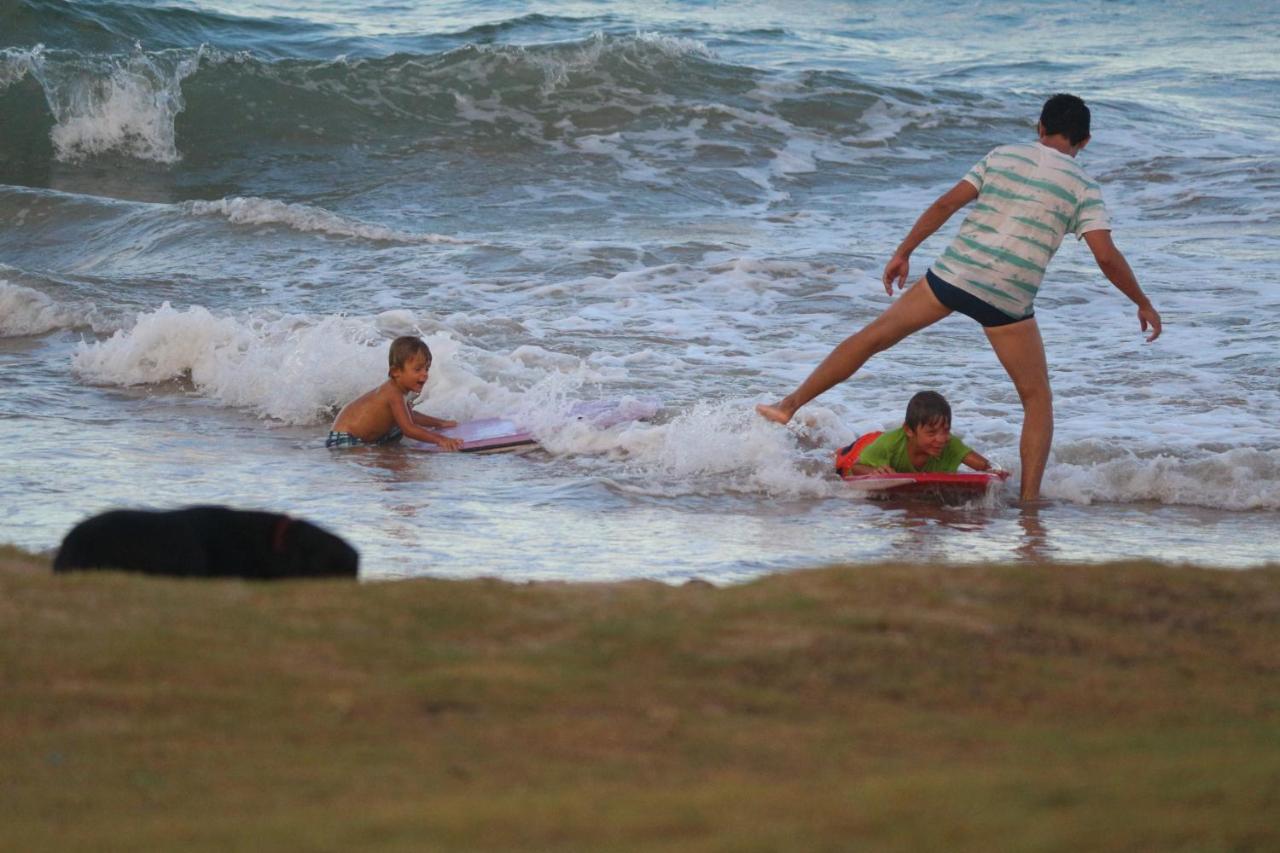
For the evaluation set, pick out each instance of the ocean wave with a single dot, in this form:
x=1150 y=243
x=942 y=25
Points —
x=25 y=311
x=686 y=457
x=722 y=448
x=299 y=369
x=1239 y=479
x=207 y=102
x=103 y=236
x=124 y=104
x=306 y=218
x=291 y=369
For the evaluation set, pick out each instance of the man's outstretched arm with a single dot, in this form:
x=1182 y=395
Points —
x=933 y=218
x=1114 y=266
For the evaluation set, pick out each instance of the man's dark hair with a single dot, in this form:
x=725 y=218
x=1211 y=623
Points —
x=1067 y=115
x=928 y=407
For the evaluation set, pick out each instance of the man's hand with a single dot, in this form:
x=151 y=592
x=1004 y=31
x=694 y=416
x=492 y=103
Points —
x=898 y=268
x=1149 y=316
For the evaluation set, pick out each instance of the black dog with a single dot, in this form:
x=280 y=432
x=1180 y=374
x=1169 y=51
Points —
x=206 y=541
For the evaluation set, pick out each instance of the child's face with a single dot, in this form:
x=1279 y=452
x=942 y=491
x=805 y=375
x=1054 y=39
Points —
x=931 y=437
x=412 y=376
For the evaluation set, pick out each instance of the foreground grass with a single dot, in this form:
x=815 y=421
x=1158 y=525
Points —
x=1116 y=707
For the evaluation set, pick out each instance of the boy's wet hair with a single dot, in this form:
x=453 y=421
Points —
x=927 y=407
x=405 y=348
x=1067 y=115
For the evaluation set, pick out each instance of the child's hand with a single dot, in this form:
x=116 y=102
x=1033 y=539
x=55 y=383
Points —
x=883 y=469
x=450 y=443
x=999 y=472
x=447 y=424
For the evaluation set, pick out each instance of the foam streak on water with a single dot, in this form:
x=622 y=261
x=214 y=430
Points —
x=214 y=217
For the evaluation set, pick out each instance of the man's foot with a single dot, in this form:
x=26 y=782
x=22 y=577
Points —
x=777 y=413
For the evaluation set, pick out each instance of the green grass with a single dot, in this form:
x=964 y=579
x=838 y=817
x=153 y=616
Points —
x=1112 y=707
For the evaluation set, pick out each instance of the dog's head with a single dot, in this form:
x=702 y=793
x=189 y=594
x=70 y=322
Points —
x=303 y=550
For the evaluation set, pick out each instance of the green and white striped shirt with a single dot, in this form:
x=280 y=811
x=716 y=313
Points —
x=1029 y=197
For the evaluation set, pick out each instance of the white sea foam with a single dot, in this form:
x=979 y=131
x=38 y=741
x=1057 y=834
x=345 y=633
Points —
x=292 y=369
x=719 y=447
x=305 y=217
x=299 y=370
x=1240 y=479
x=25 y=311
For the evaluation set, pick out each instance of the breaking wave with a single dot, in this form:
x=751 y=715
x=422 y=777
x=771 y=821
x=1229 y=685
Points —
x=204 y=102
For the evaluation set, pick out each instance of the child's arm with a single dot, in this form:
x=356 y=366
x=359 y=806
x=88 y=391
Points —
x=404 y=418
x=1117 y=270
x=978 y=462
x=933 y=218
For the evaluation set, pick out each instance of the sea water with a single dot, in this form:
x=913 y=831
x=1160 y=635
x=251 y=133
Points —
x=214 y=216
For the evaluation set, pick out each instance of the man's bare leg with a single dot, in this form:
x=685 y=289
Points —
x=914 y=310
x=1021 y=351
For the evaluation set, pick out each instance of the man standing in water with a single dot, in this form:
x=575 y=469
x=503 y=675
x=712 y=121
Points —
x=1029 y=195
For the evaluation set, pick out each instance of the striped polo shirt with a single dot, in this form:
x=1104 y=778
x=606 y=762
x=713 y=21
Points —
x=1029 y=197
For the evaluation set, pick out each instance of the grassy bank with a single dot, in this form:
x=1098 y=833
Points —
x=1116 y=707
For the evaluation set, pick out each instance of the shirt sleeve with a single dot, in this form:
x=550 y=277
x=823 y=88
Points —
x=1091 y=213
x=978 y=174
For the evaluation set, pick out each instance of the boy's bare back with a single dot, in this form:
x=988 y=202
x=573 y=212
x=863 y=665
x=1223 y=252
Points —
x=371 y=416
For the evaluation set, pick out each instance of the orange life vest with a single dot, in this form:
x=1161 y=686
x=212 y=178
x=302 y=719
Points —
x=847 y=456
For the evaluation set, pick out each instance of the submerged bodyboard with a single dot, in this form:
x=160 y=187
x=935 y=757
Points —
x=501 y=435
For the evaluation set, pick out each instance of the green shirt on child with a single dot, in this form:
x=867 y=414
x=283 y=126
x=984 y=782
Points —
x=891 y=449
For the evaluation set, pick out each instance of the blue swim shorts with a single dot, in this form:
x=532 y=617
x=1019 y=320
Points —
x=346 y=439
x=969 y=305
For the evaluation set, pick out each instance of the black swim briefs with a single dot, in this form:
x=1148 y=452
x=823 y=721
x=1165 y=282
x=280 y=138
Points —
x=969 y=305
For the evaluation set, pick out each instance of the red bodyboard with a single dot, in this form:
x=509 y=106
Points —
x=977 y=482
